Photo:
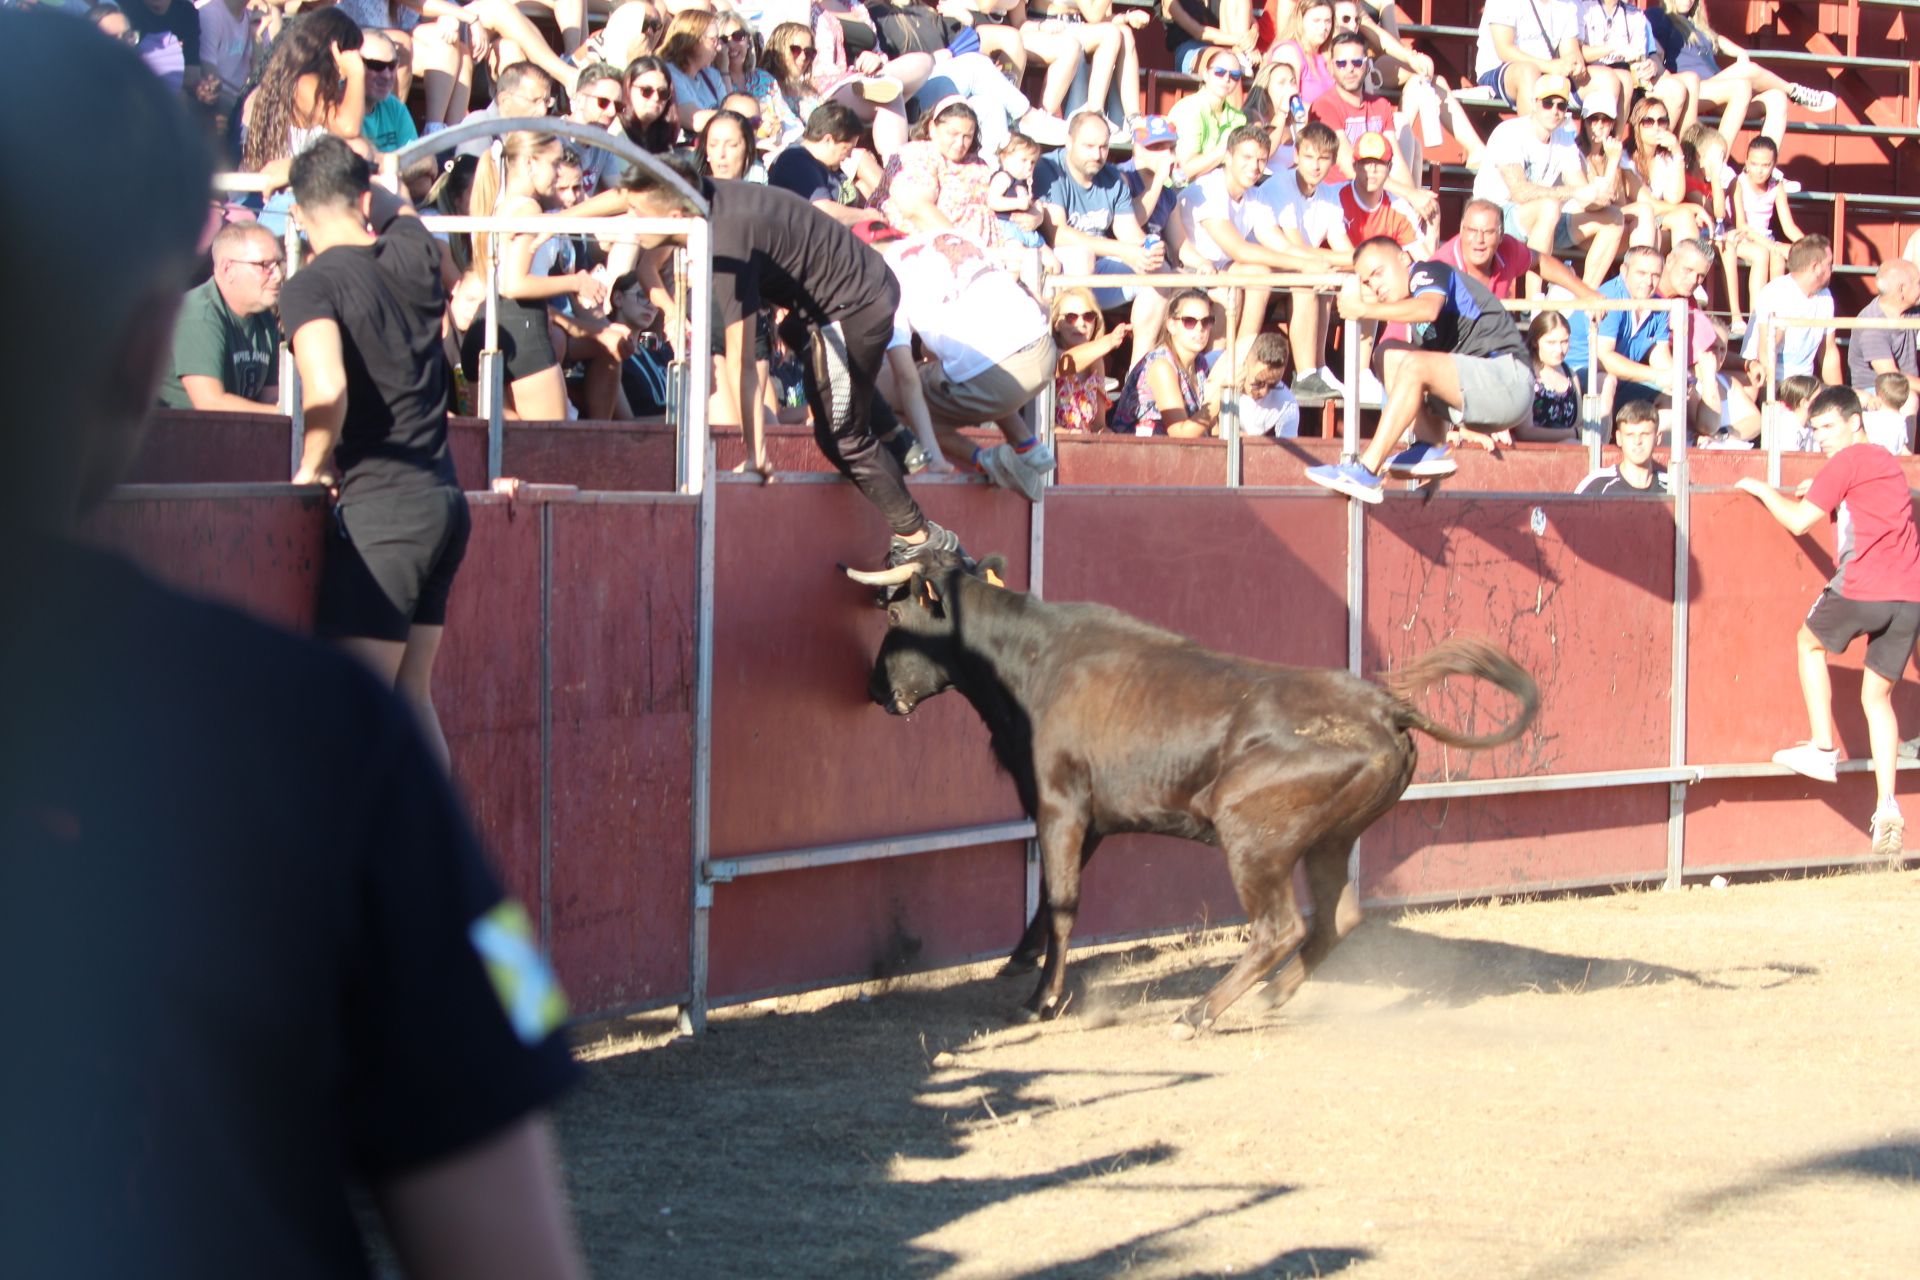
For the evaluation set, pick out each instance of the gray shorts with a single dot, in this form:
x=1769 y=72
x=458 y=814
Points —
x=1495 y=391
x=1004 y=388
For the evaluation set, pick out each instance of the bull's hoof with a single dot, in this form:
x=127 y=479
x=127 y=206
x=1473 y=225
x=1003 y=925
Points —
x=1181 y=1031
x=1037 y=1010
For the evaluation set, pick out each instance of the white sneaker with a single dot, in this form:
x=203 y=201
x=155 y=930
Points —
x=1889 y=831
x=1048 y=131
x=1818 y=763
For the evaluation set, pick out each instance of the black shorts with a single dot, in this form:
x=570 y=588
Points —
x=525 y=343
x=1889 y=625
x=390 y=563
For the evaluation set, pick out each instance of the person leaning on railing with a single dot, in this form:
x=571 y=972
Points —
x=1166 y=394
x=226 y=345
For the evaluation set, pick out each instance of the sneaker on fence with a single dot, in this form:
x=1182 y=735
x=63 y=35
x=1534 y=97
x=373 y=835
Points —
x=1889 y=831
x=1814 y=762
x=1423 y=461
x=1026 y=472
x=1910 y=749
x=1349 y=478
x=940 y=549
x=1815 y=100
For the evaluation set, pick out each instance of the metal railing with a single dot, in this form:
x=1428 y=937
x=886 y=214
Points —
x=1768 y=348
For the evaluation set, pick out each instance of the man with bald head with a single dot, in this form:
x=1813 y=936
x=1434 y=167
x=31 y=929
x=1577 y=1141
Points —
x=1466 y=364
x=1872 y=352
x=389 y=125
x=226 y=346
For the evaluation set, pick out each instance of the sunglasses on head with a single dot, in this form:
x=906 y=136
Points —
x=1225 y=74
x=1554 y=104
x=1194 y=322
x=1349 y=62
x=650 y=91
x=378 y=64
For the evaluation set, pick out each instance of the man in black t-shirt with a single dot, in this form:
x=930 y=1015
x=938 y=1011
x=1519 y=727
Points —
x=364 y=321
x=772 y=248
x=257 y=959
x=1466 y=365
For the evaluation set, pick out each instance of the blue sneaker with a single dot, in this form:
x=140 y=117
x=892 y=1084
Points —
x=1349 y=478
x=1423 y=462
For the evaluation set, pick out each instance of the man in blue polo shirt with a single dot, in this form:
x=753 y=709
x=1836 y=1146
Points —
x=1624 y=341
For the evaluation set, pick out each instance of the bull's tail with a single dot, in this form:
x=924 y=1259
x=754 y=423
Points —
x=1464 y=656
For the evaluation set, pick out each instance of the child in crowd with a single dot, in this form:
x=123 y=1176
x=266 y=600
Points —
x=1010 y=191
x=1759 y=197
x=1886 y=412
x=1786 y=418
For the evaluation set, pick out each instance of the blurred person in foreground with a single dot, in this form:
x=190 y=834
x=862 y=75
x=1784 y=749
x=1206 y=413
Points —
x=271 y=965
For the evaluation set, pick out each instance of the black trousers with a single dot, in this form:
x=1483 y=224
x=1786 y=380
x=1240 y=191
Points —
x=840 y=375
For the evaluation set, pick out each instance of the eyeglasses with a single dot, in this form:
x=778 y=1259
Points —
x=267 y=267
x=651 y=26
x=733 y=36
x=1078 y=317
x=1194 y=322
x=378 y=66
x=1554 y=104
x=651 y=91
x=800 y=51
x=1225 y=74
x=1349 y=62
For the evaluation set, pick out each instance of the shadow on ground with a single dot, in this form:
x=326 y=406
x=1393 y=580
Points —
x=811 y=1145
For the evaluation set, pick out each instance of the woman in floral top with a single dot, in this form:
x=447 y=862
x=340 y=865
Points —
x=1080 y=400
x=939 y=182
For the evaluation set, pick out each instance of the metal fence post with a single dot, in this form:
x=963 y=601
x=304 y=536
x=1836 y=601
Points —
x=493 y=384
x=1680 y=479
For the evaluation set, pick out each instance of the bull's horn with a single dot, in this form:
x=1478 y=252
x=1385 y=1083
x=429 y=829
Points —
x=883 y=577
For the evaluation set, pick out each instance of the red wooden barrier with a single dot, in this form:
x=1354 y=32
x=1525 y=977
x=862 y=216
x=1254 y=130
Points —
x=184 y=447
x=1585 y=605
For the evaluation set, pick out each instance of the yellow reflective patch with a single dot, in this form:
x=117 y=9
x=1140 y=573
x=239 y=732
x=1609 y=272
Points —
x=521 y=977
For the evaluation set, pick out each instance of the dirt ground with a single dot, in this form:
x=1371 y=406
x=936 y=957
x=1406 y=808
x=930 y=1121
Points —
x=1709 y=1083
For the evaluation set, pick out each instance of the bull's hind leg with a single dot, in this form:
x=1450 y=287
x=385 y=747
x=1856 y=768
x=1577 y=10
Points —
x=1277 y=929
x=1336 y=910
x=1032 y=946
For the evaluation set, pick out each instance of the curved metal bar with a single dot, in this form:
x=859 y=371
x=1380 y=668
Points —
x=467 y=130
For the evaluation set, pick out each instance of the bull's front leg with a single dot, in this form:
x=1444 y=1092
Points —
x=1061 y=831
x=1032 y=947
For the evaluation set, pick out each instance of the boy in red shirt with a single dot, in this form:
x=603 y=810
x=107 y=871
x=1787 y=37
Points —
x=1875 y=593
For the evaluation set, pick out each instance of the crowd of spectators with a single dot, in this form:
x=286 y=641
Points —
x=1611 y=161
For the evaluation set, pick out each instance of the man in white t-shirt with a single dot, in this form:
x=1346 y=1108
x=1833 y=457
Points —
x=1532 y=168
x=1801 y=294
x=1523 y=40
x=1215 y=225
x=991 y=346
x=1304 y=222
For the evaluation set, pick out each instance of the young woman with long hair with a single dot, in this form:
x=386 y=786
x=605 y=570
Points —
x=789 y=96
x=1080 y=333
x=1693 y=50
x=726 y=149
x=1659 y=213
x=313 y=83
x=689 y=48
x=1166 y=393
x=1556 y=394
x=647 y=117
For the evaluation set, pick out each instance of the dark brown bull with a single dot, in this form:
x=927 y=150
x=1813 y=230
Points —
x=1110 y=725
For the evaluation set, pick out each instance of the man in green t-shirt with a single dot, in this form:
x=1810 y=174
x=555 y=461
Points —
x=226 y=348
x=388 y=126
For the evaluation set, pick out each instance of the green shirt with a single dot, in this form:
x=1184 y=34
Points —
x=388 y=126
x=210 y=341
x=1191 y=119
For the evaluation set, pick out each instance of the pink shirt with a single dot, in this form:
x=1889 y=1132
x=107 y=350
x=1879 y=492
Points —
x=1510 y=263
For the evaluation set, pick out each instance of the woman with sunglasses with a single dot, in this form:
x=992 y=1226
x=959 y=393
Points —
x=1659 y=213
x=788 y=96
x=1202 y=120
x=1692 y=49
x=1080 y=400
x=648 y=119
x=1166 y=393
x=739 y=60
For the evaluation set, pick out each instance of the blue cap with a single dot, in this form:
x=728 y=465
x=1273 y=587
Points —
x=1154 y=131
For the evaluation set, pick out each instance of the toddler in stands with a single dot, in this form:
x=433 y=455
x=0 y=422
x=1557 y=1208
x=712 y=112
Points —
x=1887 y=413
x=1010 y=191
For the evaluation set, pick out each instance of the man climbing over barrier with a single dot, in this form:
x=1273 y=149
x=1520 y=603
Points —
x=1875 y=592
x=771 y=247
x=1467 y=365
